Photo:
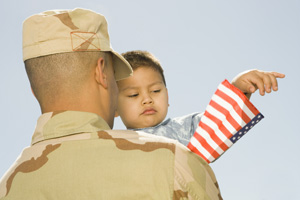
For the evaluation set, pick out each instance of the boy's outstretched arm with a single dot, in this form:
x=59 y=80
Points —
x=249 y=81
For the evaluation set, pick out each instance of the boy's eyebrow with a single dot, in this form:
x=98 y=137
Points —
x=128 y=88
x=132 y=87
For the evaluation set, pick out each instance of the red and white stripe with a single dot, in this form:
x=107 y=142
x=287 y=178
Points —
x=228 y=112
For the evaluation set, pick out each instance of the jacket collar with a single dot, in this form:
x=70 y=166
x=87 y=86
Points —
x=63 y=123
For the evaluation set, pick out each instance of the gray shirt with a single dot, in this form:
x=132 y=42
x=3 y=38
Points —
x=179 y=128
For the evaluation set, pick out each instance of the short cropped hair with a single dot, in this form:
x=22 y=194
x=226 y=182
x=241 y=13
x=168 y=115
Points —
x=60 y=74
x=140 y=58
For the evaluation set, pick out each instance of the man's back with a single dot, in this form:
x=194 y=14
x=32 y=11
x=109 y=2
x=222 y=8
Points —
x=72 y=157
x=75 y=154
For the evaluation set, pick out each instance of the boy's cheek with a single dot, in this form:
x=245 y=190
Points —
x=123 y=105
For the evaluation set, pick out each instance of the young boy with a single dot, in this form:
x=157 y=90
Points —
x=143 y=102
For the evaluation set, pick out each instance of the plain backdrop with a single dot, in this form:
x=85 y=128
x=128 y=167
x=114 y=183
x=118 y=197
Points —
x=199 y=43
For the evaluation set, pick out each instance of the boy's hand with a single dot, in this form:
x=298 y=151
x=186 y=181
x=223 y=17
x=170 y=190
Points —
x=249 y=81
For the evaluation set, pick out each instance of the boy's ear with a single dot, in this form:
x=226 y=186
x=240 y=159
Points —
x=168 y=97
x=116 y=114
x=101 y=76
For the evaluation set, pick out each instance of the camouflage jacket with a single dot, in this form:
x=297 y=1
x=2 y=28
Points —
x=74 y=155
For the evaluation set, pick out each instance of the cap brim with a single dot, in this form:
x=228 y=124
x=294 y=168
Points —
x=122 y=67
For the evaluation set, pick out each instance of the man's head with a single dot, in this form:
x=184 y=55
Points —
x=143 y=98
x=65 y=31
x=70 y=63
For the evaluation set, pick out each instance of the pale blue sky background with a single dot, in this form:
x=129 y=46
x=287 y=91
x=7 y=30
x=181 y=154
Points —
x=199 y=43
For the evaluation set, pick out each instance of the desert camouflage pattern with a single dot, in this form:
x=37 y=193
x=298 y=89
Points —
x=65 y=31
x=74 y=155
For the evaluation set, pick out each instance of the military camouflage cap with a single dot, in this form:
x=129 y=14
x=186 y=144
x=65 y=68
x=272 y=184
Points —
x=62 y=31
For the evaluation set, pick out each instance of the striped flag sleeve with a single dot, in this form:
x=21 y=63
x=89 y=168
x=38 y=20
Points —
x=227 y=118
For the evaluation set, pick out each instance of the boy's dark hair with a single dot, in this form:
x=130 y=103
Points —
x=140 y=58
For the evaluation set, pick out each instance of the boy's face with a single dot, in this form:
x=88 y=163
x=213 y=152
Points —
x=143 y=99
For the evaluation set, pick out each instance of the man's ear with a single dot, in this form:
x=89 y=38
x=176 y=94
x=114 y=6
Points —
x=101 y=76
x=32 y=92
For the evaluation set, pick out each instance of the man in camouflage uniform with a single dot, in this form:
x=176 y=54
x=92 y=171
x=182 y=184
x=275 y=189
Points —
x=74 y=153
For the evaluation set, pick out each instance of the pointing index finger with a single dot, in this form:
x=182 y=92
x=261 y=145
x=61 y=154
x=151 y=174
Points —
x=278 y=75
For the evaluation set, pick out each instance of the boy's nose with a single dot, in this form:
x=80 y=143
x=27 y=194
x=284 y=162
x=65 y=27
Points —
x=147 y=100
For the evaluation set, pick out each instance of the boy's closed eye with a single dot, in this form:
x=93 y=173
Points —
x=133 y=95
x=156 y=91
